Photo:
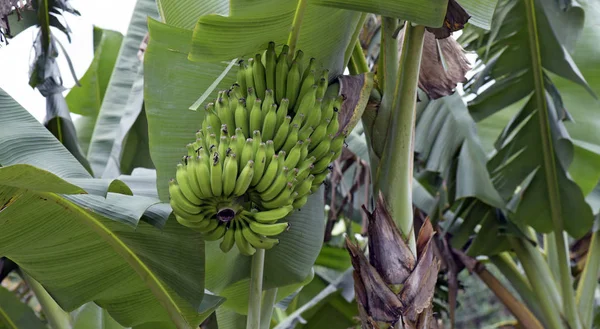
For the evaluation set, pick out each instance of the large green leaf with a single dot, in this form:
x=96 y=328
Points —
x=136 y=272
x=87 y=98
x=24 y=141
x=445 y=133
x=506 y=50
x=119 y=90
x=184 y=14
x=429 y=12
x=16 y=315
x=91 y=316
x=254 y=24
x=172 y=84
x=139 y=274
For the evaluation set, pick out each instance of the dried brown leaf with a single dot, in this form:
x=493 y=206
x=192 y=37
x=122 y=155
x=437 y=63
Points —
x=456 y=18
x=418 y=289
x=356 y=90
x=388 y=253
x=435 y=79
x=380 y=304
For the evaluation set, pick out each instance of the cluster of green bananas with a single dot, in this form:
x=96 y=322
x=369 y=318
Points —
x=265 y=145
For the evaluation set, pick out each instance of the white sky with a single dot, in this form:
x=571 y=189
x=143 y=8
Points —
x=15 y=58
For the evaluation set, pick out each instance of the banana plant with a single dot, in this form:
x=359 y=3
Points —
x=151 y=250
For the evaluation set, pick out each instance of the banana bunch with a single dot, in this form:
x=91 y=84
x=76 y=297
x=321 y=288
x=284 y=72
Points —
x=265 y=145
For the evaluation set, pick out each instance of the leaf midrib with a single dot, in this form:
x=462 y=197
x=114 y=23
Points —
x=156 y=286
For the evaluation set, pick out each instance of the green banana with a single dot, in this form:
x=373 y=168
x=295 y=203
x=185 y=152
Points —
x=312 y=63
x=270 y=150
x=293 y=156
x=269 y=174
x=319 y=133
x=185 y=184
x=243 y=246
x=215 y=234
x=216 y=172
x=293 y=84
x=230 y=172
x=223 y=145
x=337 y=143
x=192 y=168
x=322 y=148
x=256 y=115
x=250 y=76
x=299 y=202
x=224 y=112
x=305 y=168
x=180 y=200
x=282 y=111
x=270 y=66
x=228 y=240
x=306 y=103
x=282 y=133
x=257 y=241
x=281 y=74
x=241 y=140
x=241 y=117
x=319 y=178
x=324 y=162
x=269 y=229
x=235 y=94
x=304 y=149
x=284 y=198
x=241 y=75
x=259 y=163
x=271 y=216
x=307 y=82
x=256 y=140
x=304 y=187
x=334 y=125
x=270 y=123
x=305 y=132
x=299 y=59
x=322 y=87
x=244 y=180
x=327 y=108
x=258 y=71
x=247 y=153
x=211 y=225
x=291 y=140
x=314 y=117
x=250 y=98
x=276 y=186
x=211 y=115
x=202 y=170
x=268 y=101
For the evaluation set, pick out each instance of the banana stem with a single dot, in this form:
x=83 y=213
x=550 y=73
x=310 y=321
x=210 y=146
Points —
x=256 y=281
x=296 y=23
x=266 y=311
x=396 y=166
x=56 y=316
x=358 y=59
x=588 y=282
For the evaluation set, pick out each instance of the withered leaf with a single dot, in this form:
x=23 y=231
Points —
x=379 y=302
x=356 y=90
x=456 y=18
x=418 y=289
x=388 y=252
x=435 y=79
